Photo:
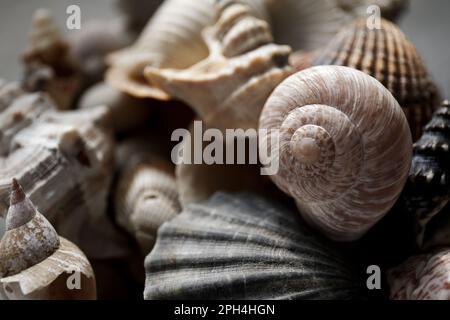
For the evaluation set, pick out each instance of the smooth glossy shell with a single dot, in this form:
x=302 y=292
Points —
x=388 y=56
x=344 y=148
x=423 y=277
x=244 y=247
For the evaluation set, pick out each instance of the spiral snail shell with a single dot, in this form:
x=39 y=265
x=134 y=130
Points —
x=344 y=148
x=388 y=56
x=35 y=263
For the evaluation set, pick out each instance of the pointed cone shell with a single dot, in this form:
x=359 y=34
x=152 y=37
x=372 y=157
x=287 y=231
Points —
x=244 y=247
x=229 y=88
x=423 y=277
x=388 y=56
x=344 y=148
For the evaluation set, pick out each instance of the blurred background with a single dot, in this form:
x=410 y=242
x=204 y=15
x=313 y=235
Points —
x=426 y=23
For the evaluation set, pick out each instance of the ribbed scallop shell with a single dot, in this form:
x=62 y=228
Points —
x=423 y=277
x=387 y=55
x=244 y=247
x=427 y=191
x=344 y=148
x=229 y=88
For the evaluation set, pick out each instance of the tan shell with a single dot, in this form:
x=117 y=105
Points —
x=127 y=113
x=35 y=263
x=146 y=195
x=344 y=148
x=422 y=277
x=229 y=88
x=49 y=64
x=63 y=159
x=387 y=55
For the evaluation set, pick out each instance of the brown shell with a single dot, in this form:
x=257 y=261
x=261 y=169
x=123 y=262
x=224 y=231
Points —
x=387 y=55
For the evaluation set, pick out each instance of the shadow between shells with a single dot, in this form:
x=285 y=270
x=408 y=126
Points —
x=88 y=183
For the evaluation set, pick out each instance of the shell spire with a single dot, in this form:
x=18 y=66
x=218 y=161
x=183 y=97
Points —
x=21 y=209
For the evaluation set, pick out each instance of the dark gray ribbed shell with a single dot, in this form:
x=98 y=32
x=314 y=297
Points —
x=244 y=247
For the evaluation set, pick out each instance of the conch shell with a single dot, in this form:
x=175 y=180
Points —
x=229 y=88
x=388 y=56
x=63 y=159
x=344 y=148
x=422 y=277
x=35 y=263
x=146 y=195
x=49 y=64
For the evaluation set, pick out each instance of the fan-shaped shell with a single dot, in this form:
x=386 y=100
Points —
x=423 y=277
x=35 y=262
x=427 y=191
x=344 y=148
x=244 y=247
x=387 y=55
x=229 y=88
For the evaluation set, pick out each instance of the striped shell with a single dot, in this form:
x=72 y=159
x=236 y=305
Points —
x=344 y=148
x=34 y=261
x=244 y=247
x=427 y=191
x=63 y=159
x=423 y=277
x=229 y=88
x=146 y=195
x=387 y=55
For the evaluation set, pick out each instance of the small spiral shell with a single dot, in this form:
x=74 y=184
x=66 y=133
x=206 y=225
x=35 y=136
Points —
x=344 y=148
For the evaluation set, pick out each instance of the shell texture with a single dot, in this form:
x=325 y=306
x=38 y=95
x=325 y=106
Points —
x=229 y=88
x=244 y=247
x=423 y=277
x=344 y=148
x=387 y=55
x=63 y=159
x=49 y=64
x=33 y=256
x=146 y=195
x=427 y=191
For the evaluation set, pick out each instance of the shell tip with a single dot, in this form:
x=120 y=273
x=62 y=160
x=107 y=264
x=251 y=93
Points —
x=17 y=193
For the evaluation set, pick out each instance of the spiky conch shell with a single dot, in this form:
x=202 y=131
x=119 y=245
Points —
x=228 y=88
x=146 y=195
x=422 y=277
x=245 y=247
x=64 y=160
x=172 y=38
x=388 y=56
x=427 y=191
x=35 y=263
x=48 y=62
x=343 y=146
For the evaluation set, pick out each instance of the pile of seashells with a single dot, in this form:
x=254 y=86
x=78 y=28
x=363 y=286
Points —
x=364 y=158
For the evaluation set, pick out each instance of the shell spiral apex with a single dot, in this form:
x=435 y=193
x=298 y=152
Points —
x=344 y=148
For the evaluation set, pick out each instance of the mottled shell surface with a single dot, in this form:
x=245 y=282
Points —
x=244 y=247
x=423 y=277
x=33 y=256
x=344 y=148
x=387 y=55
x=63 y=159
x=427 y=191
x=229 y=88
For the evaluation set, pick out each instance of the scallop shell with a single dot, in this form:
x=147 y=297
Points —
x=171 y=39
x=427 y=191
x=63 y=159
x=229 y=88
x=244 y=247
x=48 y=63
x=344 y=148
x=127 y=113
x=35 y=263
x=423 y=277
x=146 y=195
x=387 y=55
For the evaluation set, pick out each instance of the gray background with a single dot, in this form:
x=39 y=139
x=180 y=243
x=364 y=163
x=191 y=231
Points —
x=426 y=23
